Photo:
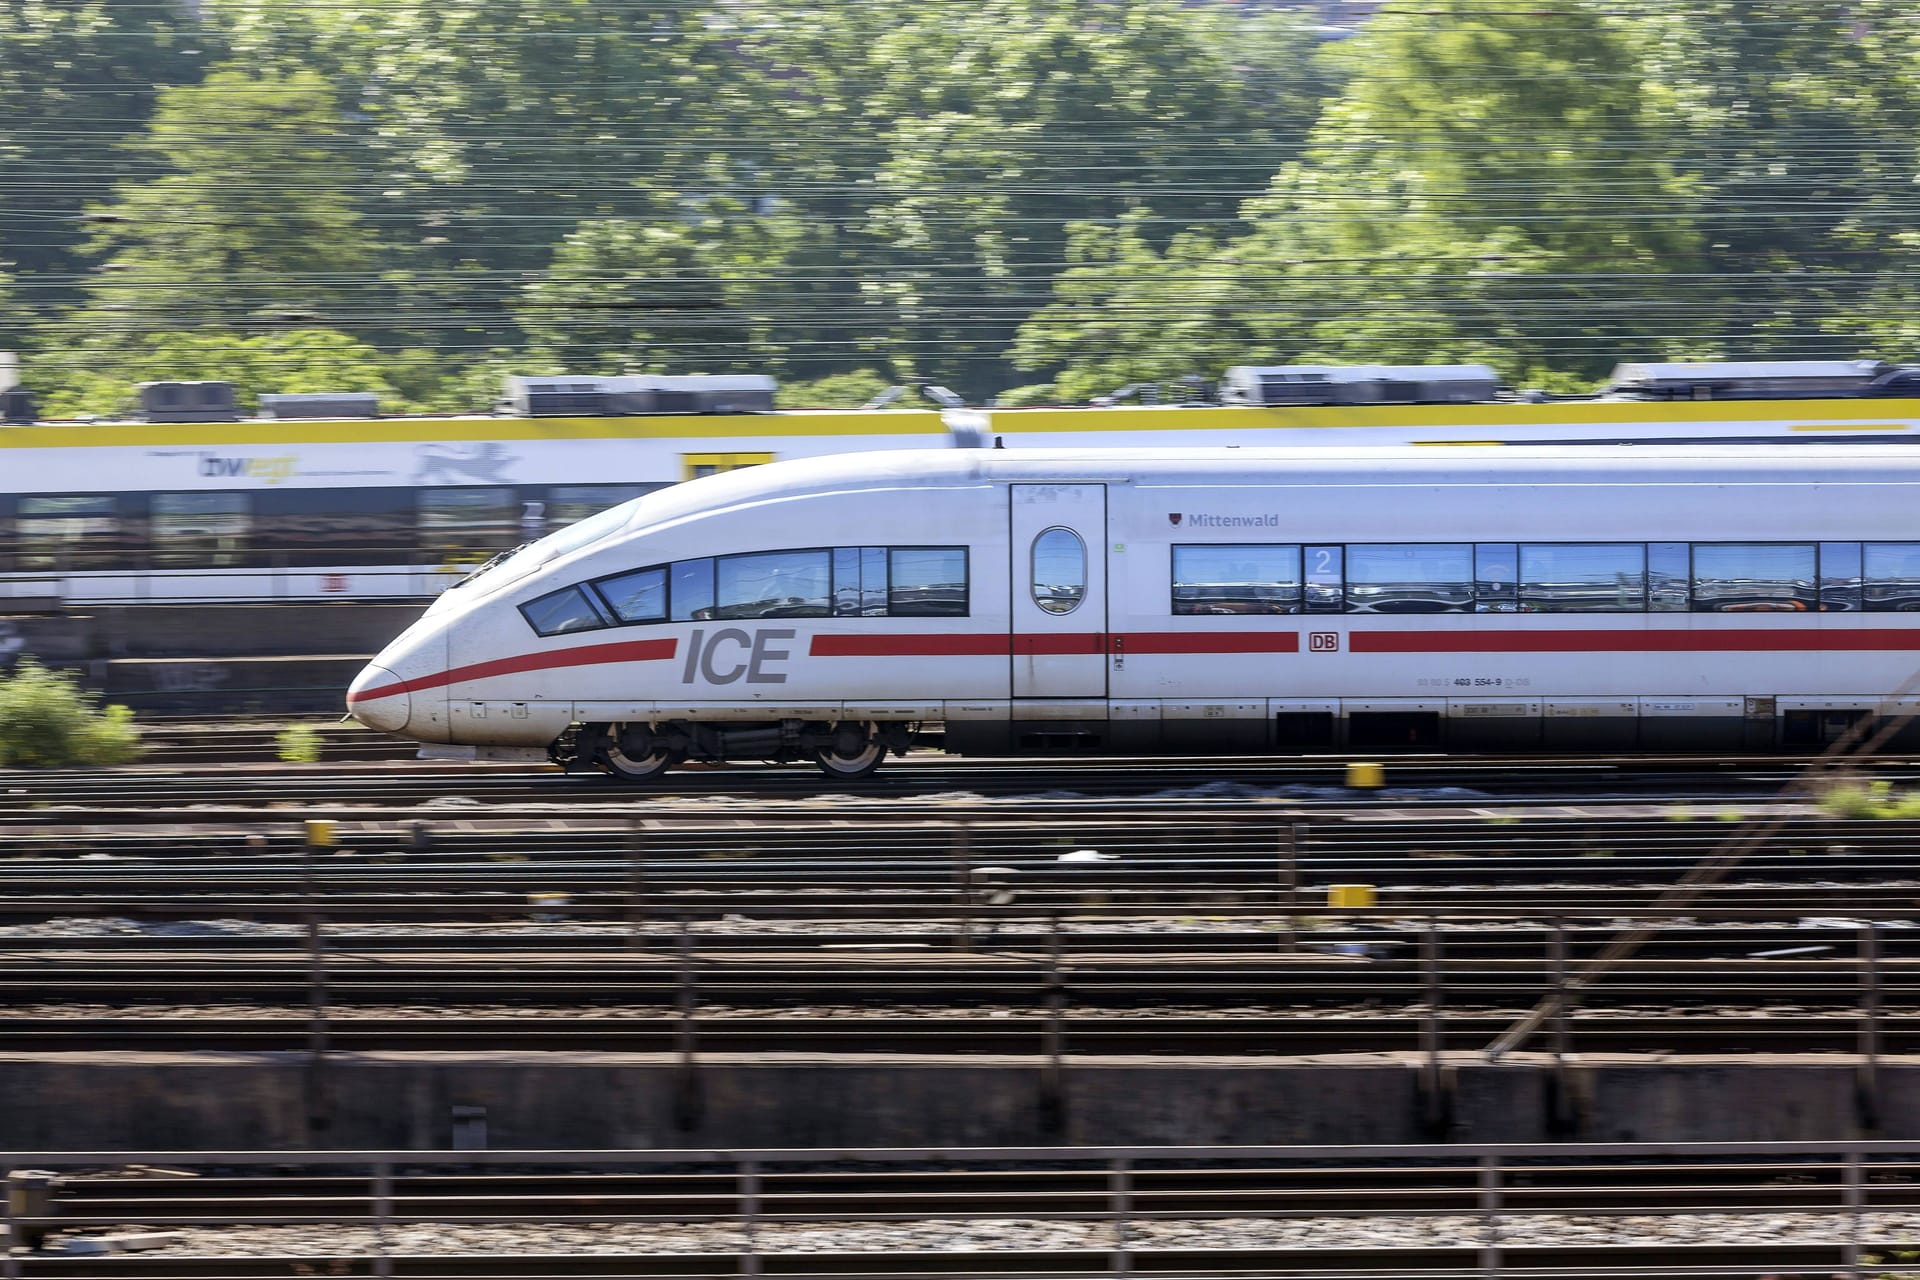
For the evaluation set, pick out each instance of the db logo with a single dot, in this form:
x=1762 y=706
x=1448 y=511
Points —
x=1323 y=642
x=333 y=582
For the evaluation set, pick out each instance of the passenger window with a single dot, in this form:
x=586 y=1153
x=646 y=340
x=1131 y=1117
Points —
x=692 y=590
x=570 y=504
x=466 y=526
x=1496 y=577
x=1410 y=577
x=1326 y=579
x=1236 y=578
x=1840 y=577
x=69 y=533
x=560 y=612
x=1892 y=576
x=774 y=584
x=1583 y=577
x=927 y=582
x=860 y=582
x=640 y=596
x=1753 y=577
x=1669 y=570
x=1059 y=579
x=191 y=530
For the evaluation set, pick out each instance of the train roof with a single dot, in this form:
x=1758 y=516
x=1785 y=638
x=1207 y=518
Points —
x=1229 y=465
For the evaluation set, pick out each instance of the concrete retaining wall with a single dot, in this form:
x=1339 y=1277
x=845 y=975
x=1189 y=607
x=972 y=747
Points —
x=89 y=1101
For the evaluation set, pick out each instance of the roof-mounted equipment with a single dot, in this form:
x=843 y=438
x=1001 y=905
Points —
x=557 y=397
x=1748 y=380
x=320 y=404
x=188 y=402
x=694 y=393
x=1314 y=384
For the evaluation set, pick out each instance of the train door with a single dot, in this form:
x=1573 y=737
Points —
x=1059 y=580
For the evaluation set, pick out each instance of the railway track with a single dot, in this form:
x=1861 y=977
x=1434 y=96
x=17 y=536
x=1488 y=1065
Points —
x=372 y=778
x=1032 y=1037
x=1750 y=1210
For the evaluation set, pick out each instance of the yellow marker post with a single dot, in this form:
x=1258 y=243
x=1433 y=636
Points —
x=320 y=833
x=1366 y=776
x=1347 y=896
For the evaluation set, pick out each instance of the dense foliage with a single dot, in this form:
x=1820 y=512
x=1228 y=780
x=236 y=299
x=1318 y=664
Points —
x=46 y=719
x=413 y=198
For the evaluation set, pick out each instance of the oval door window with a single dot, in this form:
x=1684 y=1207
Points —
x=1059 y=570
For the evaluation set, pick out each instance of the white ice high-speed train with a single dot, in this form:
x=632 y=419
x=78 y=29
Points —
x=1198 y=600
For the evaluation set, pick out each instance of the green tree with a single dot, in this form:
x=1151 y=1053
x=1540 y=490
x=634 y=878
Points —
x=77 y=77
x=253 y=221
x=1485 y=186
x=100 y=377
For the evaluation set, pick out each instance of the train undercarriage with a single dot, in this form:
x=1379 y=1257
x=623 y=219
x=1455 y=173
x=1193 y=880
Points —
x=638 y=752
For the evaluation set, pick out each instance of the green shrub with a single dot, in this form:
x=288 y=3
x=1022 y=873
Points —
x=46 y=719
x=298 y=744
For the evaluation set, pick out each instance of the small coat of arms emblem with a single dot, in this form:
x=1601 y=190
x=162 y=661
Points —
x=1173 y=517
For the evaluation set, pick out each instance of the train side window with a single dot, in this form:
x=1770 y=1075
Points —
x=1496 y=577
x=640 y=596
x=1669 y=571
x=1754 y=577
x=1236 y=578
x=1410 y=577
x=774 y=584
x=1326 y=579
x=1059 y=577
x=562 y=611
x=1840 y=577
x=1583 y=577
x=927 y=582
x=572 y=503
x=692 y=590
x=860 y=582
x=1892 y=577
x=69 y=532
x=200 y=530
x=467 y=526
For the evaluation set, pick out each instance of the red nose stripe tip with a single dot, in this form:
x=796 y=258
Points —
x=590 y=655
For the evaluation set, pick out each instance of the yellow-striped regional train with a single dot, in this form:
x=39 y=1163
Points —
x=364 y=507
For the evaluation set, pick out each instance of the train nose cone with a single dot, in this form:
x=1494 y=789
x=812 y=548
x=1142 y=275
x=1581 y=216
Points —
x=378 y=700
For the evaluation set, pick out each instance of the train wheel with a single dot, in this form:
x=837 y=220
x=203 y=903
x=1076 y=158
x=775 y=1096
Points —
x=654 y=760
x=855 y=753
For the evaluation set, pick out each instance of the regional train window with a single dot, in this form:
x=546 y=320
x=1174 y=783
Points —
x=1496 y=577
x=1410 y=577
x=774 y=584
x=1840 y=577
x=640 y=596
x=1669 y=571
x=1583 y=577
x=571 y=503
x=558 y=612
x=463 y=525
x=1236 y=578
x=192 y=530
x=692 y=590
x=1326 y=579
x=1892 y=576
x=926 y=582
x=1753 y=577
x=68 y=532
x=1059 y=578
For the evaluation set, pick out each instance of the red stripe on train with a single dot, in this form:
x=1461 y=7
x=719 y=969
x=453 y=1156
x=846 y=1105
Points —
x=1746 y=640
x=589 y=655
x=1208 y=642
x=1093 y=643
x=922 y=646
